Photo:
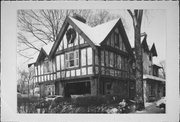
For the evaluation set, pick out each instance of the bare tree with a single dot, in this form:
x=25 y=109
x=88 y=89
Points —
x=37 y=28
x=136 y=16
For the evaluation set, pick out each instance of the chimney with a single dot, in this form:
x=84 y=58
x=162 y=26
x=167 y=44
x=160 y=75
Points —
x=78 y=17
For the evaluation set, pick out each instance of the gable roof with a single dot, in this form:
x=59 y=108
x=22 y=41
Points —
x=153 y=50
x=44 y=51
x=93 y=35
x=144 y=44
x=98 y=33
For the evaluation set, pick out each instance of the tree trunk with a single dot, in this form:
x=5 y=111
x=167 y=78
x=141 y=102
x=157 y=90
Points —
x=139 y=68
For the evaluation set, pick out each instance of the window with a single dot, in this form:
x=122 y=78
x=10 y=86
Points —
x=89 y=53
x=111 y=59
x=70 y=35
x=102 y=58
x=58 y=62
x=62 y=61
x=46 y=67
x=118 y=61
x=107 y=58
x=72 y=59
x=83 y=57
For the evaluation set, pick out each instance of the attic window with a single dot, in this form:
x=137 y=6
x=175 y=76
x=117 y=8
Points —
x=70 y=35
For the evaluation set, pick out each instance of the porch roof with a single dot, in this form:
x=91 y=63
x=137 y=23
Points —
x=151 y=77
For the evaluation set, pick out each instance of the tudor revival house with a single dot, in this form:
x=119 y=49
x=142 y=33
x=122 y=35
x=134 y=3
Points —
x=91 y=60
x=153 y=84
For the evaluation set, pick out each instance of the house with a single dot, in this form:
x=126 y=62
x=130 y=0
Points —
x=92 y=61
x=153 y=84
x=86 y=60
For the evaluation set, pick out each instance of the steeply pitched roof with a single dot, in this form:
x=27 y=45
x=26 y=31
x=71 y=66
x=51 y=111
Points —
x=93 y=35
x=98 y=33
x=144 y=44
x=44 y=51
x=153 y=50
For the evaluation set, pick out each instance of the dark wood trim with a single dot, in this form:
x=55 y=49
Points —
x=74 y=78
x=117 y=51
x=72 y=48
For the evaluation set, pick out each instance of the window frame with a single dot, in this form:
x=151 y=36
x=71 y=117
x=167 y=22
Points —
x=75 y=59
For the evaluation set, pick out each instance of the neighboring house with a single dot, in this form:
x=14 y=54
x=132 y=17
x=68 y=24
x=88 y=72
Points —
x=88 y=60
x=154 y=85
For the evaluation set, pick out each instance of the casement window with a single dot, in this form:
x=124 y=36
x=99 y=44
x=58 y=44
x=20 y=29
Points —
x=107 y=58
x=119 y=61
x=111 y=59
x=102 y=58
x=72 y=59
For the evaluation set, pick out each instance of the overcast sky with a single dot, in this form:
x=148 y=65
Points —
x=154 y=24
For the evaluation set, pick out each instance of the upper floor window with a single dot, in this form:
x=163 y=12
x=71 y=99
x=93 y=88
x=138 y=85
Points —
x=70 y=35
x=72 y=59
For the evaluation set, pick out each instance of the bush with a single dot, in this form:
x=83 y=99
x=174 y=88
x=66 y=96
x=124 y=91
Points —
x=86 y=101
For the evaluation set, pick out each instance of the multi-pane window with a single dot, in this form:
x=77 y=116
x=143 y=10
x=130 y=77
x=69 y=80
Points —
x=107 y=58
x=111 y=59
x=102 y=58
x=118 y=61
x=72 y=59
